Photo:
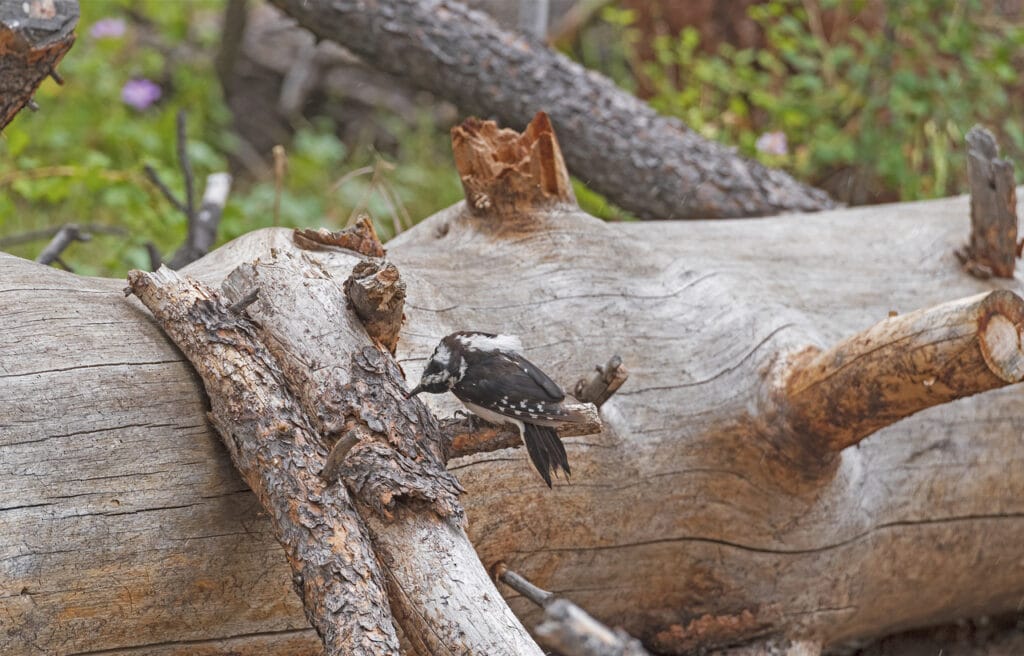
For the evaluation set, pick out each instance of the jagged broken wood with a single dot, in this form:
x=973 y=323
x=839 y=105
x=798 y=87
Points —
x=619 y=144
x=377 y=294
x=361 y=237
x=992 y=249
x=34 y=36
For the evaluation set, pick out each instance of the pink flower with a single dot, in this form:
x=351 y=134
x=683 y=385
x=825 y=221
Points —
x=772 y=143
x=140 y=93
x=107 y=28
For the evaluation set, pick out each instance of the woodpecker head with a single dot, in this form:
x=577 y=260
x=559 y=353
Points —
x=442 y=371
x=451 y=358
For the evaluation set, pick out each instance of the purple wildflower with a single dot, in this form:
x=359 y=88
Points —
x=140 y=93
x=772 y=143
x=107 y=28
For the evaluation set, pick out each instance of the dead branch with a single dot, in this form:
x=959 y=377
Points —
x=566 y=627
x=619 y=144
x=64 y=237
x=34 y=36
x=361 y=238
x=278 y=453
x=202 y=227
x=992 y=248
x=469 y=436
x=902 y=365
x=408 y=500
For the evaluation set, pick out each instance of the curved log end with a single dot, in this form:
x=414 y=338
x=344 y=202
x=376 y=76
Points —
x=833 y=399
x=504 y=172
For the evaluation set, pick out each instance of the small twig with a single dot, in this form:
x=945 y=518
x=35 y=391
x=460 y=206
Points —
x=337 y=455
x=521 y=585
x=64 y=237
x=600 y=386
x=567 y=628
x=48 y=233
x=155 y=259
x=245 y=301
x=202 y=228
x=186 y=167
x=153 y=177
x=32 y=104
x=62 y=264
x=57 y=77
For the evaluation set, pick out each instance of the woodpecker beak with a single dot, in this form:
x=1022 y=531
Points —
x=414 y=391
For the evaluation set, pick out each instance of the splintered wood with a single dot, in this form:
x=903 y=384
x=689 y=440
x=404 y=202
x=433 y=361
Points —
x=504 y=172
x=992 y=249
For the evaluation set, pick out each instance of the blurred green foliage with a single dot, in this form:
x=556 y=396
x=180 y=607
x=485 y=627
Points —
x=79 y=159
x=881 y=109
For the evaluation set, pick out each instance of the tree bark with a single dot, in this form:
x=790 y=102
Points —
x=693 y=520
x=618 y=144
x=34 y=36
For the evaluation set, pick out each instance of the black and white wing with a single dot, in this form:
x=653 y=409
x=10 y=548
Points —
x=510 y=385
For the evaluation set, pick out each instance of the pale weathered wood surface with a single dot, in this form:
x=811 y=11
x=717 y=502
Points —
x=123 y=525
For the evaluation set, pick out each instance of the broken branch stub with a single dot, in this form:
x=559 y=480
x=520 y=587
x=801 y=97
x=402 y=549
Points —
x=504 y=172
x=603 y=383
x=377 y=293
x=361 y=238
x=992 y=248
x=34 y=36
x=466 y=437
x=906 y=363
x=278 y=453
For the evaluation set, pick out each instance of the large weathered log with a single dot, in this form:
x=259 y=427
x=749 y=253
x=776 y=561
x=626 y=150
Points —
x=920 y=523
x=34 y=36
x=613 y=141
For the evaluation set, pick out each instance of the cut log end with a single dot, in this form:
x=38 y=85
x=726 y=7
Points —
x=506 y=173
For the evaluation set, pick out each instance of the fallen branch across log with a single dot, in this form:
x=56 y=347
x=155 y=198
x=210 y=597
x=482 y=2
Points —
x=618 y=144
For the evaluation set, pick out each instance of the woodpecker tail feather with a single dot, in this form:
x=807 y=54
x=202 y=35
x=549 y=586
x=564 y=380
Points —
x=546 y=451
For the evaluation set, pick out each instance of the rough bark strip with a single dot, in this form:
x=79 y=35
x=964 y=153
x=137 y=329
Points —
x=377 y=293
x=440 y=594
x=612 y=141
x=467 y=436
x=902 y=365
x=34 y=36
x=992 y=248
x=278 y=454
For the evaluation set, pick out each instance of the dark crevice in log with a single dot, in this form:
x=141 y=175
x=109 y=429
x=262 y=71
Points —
x=34 y=36
x=992 y=249
x=648 y=164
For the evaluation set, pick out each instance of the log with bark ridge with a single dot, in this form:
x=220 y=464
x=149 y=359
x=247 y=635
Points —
x=787 y=462
x=620 y=144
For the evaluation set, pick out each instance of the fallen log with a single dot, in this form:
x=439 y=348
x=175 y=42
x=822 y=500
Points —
x=618 y=143
x=695 y=520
